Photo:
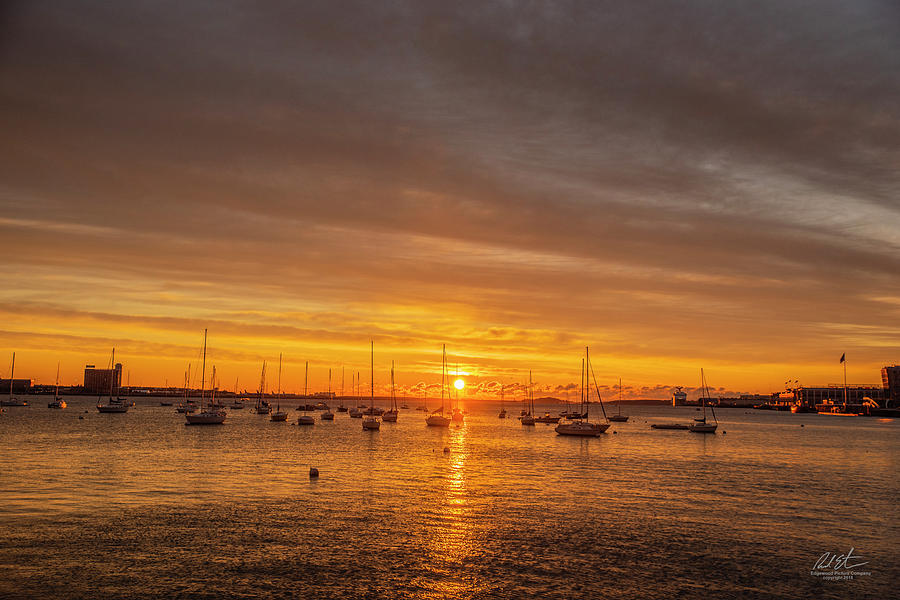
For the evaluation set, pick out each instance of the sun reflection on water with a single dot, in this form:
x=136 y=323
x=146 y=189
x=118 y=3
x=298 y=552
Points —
x=453 y=541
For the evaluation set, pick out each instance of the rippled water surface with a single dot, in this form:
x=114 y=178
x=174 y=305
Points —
x=139 y=505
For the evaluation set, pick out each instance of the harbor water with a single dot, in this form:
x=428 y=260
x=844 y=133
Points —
x=139 y=505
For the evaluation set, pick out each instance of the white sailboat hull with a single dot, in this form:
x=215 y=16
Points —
x=582 y=429
x=703 y=427
x=437 y=421
x=215 y=417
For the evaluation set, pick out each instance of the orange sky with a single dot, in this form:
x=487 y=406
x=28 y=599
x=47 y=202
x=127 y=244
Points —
x=516 y=184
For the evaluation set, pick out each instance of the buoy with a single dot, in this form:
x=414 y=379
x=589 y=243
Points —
x=446 y=450
x=615 y=432
x=313 y=472
x=724 y=432
x=801 y=424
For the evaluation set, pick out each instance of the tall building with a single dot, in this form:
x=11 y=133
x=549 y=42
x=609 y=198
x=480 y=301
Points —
x=99 y=381
x=890 y=379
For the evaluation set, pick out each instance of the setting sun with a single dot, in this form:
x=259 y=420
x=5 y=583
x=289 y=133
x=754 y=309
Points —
x=459 y=384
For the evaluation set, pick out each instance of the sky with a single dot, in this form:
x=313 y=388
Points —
x=675 y=184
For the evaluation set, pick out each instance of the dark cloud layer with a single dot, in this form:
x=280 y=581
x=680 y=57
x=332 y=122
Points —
x=675 y=181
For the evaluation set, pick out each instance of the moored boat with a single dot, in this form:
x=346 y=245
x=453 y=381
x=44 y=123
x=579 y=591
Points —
x=619 y=417
x=371 y=422
x=390 y=415
x=211 y=414
x=584 y=427
x=114 y=404
x=57 y=402
x=437 y=418
x=701 y=425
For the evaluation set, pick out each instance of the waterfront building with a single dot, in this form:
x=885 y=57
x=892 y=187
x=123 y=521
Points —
x=97 y=381
x=834 y=394
x=19 y=386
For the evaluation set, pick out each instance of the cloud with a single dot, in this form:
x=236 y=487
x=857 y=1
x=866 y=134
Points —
x=673 y=185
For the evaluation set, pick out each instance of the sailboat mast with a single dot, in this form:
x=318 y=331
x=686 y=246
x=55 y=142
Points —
x=596 y=387
x=12 y=375
x=530 y=394
x=203 y=370
x=581 y=398
x=279 y=378
x=57 y=379
x=212 y=387
x=112 y=373
x=393 y=398
x=306 y=381
x=456 y=388
x=372 y=373
x=703 y=392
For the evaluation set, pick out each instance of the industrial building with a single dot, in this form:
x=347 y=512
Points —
x=98 y=381
x=834 y=394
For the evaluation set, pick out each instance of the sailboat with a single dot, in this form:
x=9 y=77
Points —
x=262 y=405
x=355 y=412
x=187 y=405
x=13 y=401
x=279 y=415
x=437 y=418
x=700 y=425
x=305 y=419
x=528 y=403
x=211 y=415
x=328 y=415
x=371 y=422
x=214 y=387
x=502 y=414
x=619 y=417
x=341 y=407
x=115 y=404
x=237 y=403
x=57 y=401
x=390 y=416
x=583 y=427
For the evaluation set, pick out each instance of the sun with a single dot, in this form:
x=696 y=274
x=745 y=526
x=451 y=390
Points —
x=459 y=384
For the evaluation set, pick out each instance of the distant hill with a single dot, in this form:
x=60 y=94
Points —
x=638 y=401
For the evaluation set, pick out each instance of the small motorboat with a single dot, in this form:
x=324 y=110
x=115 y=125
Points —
x=546 y=419
x=680 y=426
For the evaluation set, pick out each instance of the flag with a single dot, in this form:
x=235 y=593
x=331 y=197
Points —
x=843 y=357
